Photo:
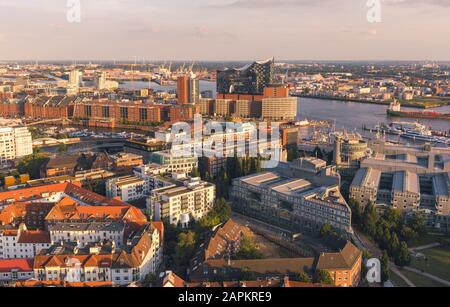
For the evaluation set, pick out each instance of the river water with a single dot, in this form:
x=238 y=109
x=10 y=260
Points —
x=204 y=86
x=352 y=115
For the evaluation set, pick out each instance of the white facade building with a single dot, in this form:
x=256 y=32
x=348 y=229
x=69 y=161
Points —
x=15 y=142
x=86 y=233
x=24 y=142
x=22 y=244
x=183 y=203
x=128 y=188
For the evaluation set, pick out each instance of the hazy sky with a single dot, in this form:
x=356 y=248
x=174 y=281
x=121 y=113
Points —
x=225 y=30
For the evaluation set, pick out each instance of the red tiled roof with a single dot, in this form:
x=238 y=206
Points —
x=22 y=265
x=73 y=190
x=35 y=237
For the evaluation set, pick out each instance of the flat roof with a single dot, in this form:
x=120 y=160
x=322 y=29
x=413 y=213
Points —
x=367 y=177
x=406 y=182
x=261 y=179
x=292 y=187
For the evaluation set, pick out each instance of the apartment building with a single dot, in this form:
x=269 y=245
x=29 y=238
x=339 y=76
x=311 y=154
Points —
x=54 y=193
x=84 y=233
x=225 y=107
x=7 y=145
x=183 y=203
x=21 y=243
x=24 y=142
x=15 y=142
x=15 y=270
x=302 y=195
x=225 y=242
x=154 y=176
x=71 y=211
x=128 y=188
x=207 y=106
x=132 y=262
x=279 y=108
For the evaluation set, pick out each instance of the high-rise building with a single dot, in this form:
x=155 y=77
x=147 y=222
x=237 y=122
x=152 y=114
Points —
x=183 y=90
x=75 y=78
x=15 y=142
x=188 y=90
x=279 y=108
x=24 y=142
x=7 y=145
x=250 y=79
x=194 y=90
x=104 y=84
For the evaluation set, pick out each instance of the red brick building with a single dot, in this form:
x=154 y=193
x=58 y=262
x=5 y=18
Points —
x=124 y=112
x=49 y=107
x=183 y=89
x=183 y=112
x=11 y=108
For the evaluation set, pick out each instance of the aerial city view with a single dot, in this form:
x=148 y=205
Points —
x=224 y=144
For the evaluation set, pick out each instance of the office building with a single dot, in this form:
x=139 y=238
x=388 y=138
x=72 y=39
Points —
x=408 y=178
x=188 y=88
x=301 y=195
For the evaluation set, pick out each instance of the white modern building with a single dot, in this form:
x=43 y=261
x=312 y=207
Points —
x=128 y=188
x=15 y=142
x=24 y=142
x=183 y=203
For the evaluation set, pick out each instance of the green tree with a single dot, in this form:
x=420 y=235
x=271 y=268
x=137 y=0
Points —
x=385 y=272
x=32 y=165
x=303 y=277
x=403 y=258
x=324 y=277
x=62 y=148
x=369 y=219
x=195 y=173
x=418 y=224
x=184 y=250
x=150 y=280
x=222 y=209
x=248 y=250
x=326 y=230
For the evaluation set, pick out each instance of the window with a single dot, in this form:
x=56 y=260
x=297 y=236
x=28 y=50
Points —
x=143 y=115
x=124 y=113
x=88 y=111
x=105 y=111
